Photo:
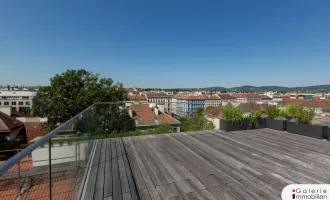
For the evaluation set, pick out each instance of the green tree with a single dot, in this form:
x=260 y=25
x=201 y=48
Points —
x=208 y=107
x=196 y=123
x=71 y=92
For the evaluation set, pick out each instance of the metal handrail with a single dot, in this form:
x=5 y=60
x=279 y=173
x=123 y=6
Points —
x=16 y=159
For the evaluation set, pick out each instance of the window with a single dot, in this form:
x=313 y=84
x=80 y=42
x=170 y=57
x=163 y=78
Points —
x=20 y=103
x=27 y=103
x=6 y=103
x=25 y=98
x=13 y=103
x=24 y=109
x=0 y=103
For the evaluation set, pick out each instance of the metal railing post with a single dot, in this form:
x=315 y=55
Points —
x=75 y=153
x=50 y=167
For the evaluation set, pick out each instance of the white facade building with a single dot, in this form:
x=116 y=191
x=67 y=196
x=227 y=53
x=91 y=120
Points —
x=160 y=99
x=21 y=100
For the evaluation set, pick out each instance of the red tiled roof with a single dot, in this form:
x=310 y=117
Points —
x=36 y=186
x=8 y=124
x=137 y=97
x=33 y=130
x=265 y=97
x=158 y=95
x=214 y=112
x=247 y=95
x=226 y=96
x=132 y=90
x=25 y=164
x=213 y=97
x=165 y=118
x=146 y=115
x=191 y=97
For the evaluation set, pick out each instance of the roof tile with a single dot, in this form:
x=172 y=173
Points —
x=8 y=124
x=145 y=115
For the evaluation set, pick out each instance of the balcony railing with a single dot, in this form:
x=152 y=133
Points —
x=56 y=165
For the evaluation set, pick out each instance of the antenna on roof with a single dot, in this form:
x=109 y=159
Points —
x=302 y=88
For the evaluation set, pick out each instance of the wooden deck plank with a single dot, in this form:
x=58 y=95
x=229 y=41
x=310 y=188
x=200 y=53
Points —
x=144 y=194
x=150 y=186
x=117 y=194
x=122 y=170
x=135 y=167
x=131 y=182
x=98 y=194
x=90 y=188
x=163 y=177
x=108 y=170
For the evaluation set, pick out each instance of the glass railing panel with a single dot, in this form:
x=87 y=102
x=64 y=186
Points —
x=70 y=155
x=27 y=178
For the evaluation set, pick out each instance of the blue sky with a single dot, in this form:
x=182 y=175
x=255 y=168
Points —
x=168 y=43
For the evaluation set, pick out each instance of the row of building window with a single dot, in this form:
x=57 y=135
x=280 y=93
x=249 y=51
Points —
x=158 y=100
x=13 y=103
x=13 y=98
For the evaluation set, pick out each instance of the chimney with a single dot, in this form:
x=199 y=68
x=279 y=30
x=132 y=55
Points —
x=156 y=111
x=6 y=110
x=130 y=112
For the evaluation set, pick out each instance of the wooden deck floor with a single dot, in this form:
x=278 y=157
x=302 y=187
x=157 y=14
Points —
x=254 y=164
x=110 y=176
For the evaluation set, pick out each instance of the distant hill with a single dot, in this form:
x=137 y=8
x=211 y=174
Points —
x=250 y=88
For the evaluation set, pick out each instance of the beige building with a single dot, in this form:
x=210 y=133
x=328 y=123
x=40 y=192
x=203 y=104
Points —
x=212 y=101
x=160 y=99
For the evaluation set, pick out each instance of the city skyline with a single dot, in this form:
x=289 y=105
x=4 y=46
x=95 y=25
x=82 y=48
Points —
x=168 y=44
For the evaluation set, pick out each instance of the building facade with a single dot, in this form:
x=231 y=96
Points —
x=187 y=106
x=247 y=97
x=212 y=101
x=226 y=98
x=160 y=99
x=20 y=100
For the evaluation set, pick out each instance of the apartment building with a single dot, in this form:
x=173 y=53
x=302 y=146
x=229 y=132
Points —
x=160 y=99
x=187 y=106
x=20 y=100
x=246 y=97
x=226 y=98
x=212 y=100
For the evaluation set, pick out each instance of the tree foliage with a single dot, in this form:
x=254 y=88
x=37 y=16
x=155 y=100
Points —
x=306 y=115
x=162 y=128
x=208 y=107
x=71 y=92
x=273 y=111
x=196 y=123
x=232 y=113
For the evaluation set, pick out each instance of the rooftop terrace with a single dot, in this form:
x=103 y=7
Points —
x=250 y=164
x=254 y=164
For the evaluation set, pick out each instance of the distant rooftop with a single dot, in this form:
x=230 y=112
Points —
x=158 y=95
x=144 y=115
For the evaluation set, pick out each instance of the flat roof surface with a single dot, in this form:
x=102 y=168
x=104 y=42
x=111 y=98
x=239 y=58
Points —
x=252 y=164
